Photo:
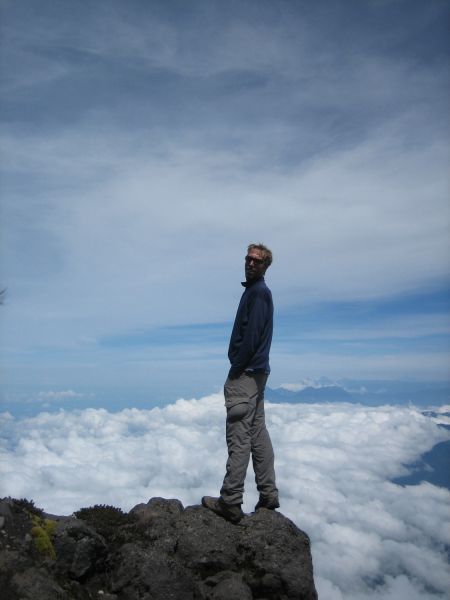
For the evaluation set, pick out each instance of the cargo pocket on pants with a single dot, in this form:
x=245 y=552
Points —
x=237 y=412
x=237 y=390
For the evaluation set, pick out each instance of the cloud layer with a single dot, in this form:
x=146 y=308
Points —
x=371 y=539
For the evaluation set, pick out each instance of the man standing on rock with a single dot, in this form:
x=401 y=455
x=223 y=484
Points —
x=246 y=431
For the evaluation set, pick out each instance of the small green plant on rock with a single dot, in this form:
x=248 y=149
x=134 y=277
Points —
x=43 y=531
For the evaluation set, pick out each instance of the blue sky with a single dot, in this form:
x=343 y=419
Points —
x=144 y=144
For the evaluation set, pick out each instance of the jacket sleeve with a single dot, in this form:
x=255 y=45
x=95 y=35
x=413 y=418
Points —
x=258 y=316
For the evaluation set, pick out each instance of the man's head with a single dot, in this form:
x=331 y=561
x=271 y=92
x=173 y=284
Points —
x=257 y=261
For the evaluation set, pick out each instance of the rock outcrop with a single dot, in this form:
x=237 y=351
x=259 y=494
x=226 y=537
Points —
x=157 y=551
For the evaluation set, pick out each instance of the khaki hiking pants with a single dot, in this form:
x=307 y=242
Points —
x=246 y=434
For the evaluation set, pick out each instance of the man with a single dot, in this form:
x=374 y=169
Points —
x=246 y=431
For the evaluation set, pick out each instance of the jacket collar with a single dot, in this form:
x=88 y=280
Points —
x=248 y=284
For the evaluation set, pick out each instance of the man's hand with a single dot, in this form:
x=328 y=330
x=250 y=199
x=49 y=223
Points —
x=234 y=373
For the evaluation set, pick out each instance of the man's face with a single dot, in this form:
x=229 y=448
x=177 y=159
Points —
x=254 y=265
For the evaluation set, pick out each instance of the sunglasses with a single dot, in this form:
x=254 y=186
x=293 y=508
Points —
x=257 y=261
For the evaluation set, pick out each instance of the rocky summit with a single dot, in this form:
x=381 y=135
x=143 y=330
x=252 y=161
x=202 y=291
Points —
x=157 y=551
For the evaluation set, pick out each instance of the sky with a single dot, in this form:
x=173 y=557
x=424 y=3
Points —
x=145 y=144
x=371 y=539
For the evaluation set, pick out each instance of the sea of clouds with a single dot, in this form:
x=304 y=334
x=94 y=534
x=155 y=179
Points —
x=371 y=539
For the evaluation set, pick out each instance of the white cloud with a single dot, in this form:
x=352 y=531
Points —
x=371 y=539
x=442 y=415
x=293 y=387
x=305 y=383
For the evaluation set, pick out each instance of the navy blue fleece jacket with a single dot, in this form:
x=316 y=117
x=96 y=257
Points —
x=252 y=330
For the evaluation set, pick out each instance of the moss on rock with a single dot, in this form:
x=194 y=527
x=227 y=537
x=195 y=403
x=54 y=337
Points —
x=43 y=531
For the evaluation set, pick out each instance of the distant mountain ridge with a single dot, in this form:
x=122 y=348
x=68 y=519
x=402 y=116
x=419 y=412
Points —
x=368 y=392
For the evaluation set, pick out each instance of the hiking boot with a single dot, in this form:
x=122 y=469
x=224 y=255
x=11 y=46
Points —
x=269 y=503
x=230 y=512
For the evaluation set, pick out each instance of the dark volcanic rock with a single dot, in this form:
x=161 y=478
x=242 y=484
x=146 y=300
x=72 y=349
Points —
x=79 y=549
x=159 y=551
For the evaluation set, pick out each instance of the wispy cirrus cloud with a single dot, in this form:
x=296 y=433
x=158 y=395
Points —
x=142 y=149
